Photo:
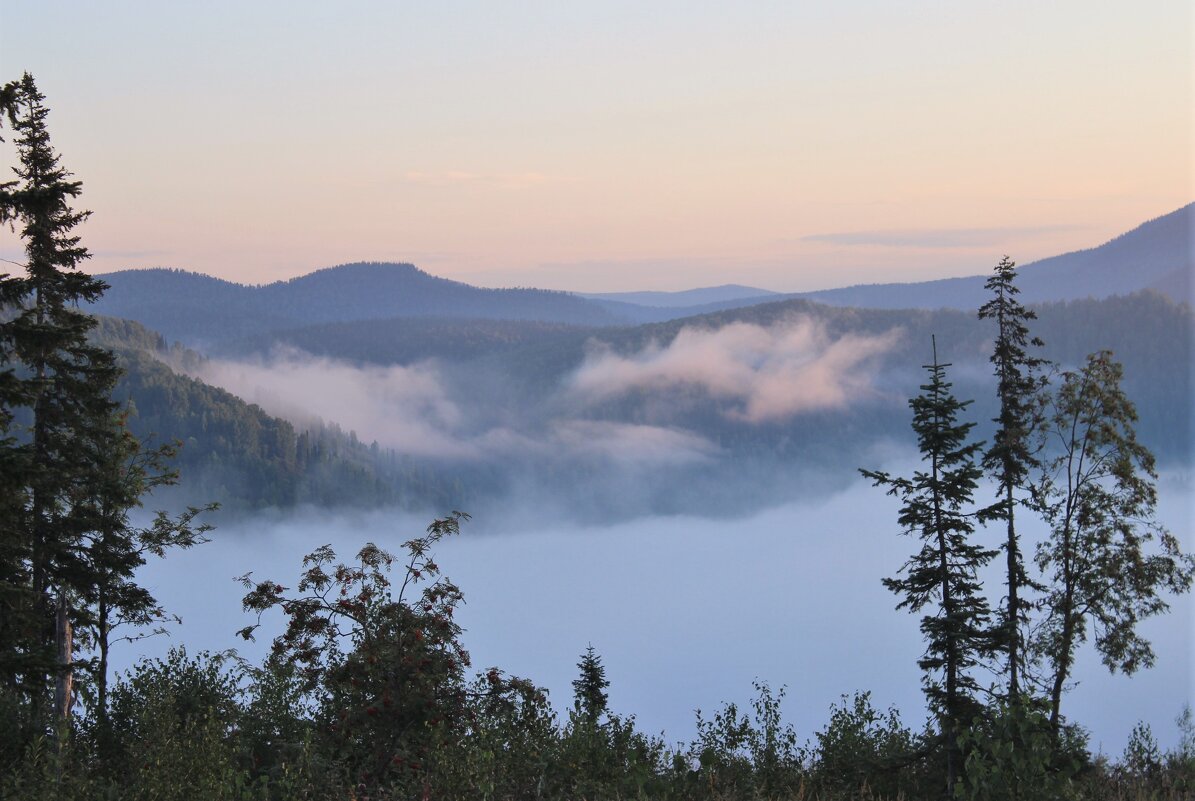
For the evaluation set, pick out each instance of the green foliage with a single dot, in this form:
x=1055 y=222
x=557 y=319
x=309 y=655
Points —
x=752 y=756
x=174 y=730
x=864 y=751
x=610 y=759
x=1097 y=493
x=509 y=745
x=1012 y=755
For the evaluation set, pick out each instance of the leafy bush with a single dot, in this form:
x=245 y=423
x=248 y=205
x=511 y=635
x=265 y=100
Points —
x=1014 y=755
x=863 y=751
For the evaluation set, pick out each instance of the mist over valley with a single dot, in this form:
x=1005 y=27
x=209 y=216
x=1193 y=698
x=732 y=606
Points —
x=682 y=494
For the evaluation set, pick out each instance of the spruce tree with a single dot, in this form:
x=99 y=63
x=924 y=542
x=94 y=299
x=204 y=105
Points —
x=1011 y=455
x=1097 y=493
x=942 y=574
x=57 y=386
x=589 y=689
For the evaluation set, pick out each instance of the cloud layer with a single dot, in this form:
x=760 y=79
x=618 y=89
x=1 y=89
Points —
x=748 y=374
x=766 y=374
x=404 y=408
x=937 y=237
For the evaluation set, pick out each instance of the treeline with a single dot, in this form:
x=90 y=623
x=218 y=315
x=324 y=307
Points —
x=367 y=692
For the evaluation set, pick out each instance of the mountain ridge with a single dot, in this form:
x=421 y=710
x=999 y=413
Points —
x=203 y=311
x=1161 y=246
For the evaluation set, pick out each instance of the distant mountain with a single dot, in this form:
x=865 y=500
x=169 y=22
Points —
x=207 y=312
x=687 y=297
x=200 y=310
x=1155 y=255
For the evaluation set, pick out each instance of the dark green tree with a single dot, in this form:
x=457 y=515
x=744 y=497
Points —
x=1012 y=455
x=59 y=388
x=114 y=548
x=589 y=689
x=942 y=575
x=1097 y=493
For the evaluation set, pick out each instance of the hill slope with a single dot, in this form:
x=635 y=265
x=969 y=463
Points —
x=236 y=454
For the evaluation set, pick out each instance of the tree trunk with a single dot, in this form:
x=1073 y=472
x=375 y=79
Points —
x=101 y=678
x=1063 y=662
x=65 y=675
x=1014 y=604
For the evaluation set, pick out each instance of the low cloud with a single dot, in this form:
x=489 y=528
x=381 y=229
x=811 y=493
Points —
x=411 y=410
x=936 y=237
x=403 y=408
x=766 y=374
x=635 y=444
x=434 y=410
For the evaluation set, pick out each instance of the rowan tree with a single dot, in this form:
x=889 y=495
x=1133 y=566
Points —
x=1097 y=493
x=395 y=699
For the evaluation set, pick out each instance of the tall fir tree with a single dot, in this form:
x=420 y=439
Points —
x=943 y=573
x=1012 y=455
x=57 y=398
x=1097 y=493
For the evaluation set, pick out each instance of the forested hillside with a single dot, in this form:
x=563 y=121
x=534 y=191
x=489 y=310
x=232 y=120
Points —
x=1148 y=332
x=236 y=454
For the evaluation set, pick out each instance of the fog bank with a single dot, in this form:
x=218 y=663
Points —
x=684 y=611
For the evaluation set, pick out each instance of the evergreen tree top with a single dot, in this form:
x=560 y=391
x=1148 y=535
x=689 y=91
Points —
x=589 y=689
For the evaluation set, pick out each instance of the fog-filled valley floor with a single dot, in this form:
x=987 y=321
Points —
x=685 y=611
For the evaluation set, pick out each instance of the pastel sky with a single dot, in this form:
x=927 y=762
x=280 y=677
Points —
x=599 y=146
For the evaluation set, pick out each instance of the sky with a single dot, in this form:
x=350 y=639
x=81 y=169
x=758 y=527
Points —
x=604 y=146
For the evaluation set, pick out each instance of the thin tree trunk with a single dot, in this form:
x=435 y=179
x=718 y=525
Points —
x=101 y=679
x=65 y=674
x=951 y=722
x=1014 y=604
x=1062 y=668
